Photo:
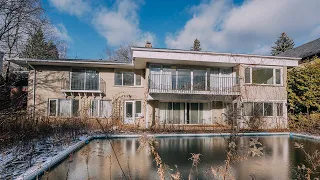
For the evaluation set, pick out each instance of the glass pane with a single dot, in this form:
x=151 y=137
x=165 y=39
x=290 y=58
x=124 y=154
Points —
x=129 y=112
x=199 y=80
x=138 y=79
x=94 y=108
x=77 y=79
x=194 y=113
x=217 y=105
x=279 y=109
x=176 y=113
x=138 y=106
x=278 y=76
x=258 y=109
x=52 y=107
x=247 y=75
x=155 y=68
x=201 y=113
x=247 y=108
x=184 y=79
x=105 y=108
x=262 y=76
x=128 y=78
x=75 y=107
x=170 y=113
x=168 y=78
x=268 y=109
x=64 y=109
x=118 y=78
x=92 y=80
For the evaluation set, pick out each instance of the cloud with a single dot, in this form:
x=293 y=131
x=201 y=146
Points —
x=60 y=32
x=73 y=7
x=120 y=24
x=249 y=28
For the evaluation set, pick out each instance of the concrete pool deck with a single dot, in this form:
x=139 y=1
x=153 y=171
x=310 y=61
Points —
x=35 y=171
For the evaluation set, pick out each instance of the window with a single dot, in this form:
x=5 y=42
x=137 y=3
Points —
x=75 y=107
x=247 y=75
x=248 y=108
x=279 y=109
x=65 y=107
x=278 y=76
x=127 y=79
x=105 y=108
x=82 y=79
x=262 y=109
x=138 y=108
x=138 y=80
x=261 y=75
x=268 y=109
x=53 y=106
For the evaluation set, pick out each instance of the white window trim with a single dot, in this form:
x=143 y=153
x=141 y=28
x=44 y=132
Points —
x=134 y=78
x=57 y=107
x=99 y=107
x=266 y=67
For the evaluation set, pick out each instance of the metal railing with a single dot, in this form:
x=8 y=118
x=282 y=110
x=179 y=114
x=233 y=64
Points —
x=163 y=83
x=84 y=85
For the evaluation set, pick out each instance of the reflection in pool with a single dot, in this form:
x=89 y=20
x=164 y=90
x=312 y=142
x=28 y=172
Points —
x=277 y=162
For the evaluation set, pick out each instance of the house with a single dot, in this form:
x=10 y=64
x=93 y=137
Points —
x=305 y=51
x=161 y=87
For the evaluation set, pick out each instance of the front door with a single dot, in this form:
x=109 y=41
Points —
x=128 y=112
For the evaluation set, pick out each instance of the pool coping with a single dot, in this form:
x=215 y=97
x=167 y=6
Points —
x=35 y=171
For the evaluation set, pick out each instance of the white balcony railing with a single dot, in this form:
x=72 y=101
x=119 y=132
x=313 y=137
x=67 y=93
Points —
x=163 y=83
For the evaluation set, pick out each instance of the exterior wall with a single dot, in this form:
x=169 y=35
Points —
x=49 y=83
x=266 y=93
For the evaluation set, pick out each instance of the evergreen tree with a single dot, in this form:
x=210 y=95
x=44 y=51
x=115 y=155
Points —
x=38 y=48
x=283 y=44
x=196 y=45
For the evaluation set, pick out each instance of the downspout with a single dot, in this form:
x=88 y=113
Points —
x=34 y=88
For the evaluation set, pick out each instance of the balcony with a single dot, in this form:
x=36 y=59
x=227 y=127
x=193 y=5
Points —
x=179 y=84
x=83 y=86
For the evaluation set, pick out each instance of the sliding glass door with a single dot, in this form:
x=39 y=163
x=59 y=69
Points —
x=184 y=113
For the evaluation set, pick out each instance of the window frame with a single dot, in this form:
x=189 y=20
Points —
x=85 y=78
x=274 y=108
x=273 y=76
x=134 y=78
x=57 y=107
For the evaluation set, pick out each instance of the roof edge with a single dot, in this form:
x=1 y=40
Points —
x=210 y=53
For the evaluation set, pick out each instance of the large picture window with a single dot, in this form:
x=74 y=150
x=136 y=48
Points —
x=127 y=78
x=84 y=79
x=263 y=75
x=63 y=107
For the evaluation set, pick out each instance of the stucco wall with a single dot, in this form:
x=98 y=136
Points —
x=49 y=83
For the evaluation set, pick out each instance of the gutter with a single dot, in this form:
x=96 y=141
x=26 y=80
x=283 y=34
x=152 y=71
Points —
x=34 y=88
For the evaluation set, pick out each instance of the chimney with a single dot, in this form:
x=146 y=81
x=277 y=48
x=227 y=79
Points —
x=148 y=44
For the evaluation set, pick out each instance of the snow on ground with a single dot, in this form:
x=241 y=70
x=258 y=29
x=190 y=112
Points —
x=19 y=158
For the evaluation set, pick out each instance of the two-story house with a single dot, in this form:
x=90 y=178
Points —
x=163 y=87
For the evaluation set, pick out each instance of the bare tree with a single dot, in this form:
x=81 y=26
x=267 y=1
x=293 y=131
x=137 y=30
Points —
x=17 y=20
x=122 y=54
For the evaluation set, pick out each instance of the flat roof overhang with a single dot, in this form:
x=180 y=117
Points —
x=141 y=56
x=72 y=63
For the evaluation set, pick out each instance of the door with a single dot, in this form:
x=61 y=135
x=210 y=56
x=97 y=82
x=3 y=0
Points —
x=128 y=112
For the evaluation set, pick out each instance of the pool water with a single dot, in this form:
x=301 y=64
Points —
x=97 y=160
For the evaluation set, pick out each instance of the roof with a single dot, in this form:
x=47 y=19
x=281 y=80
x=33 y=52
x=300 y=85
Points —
x=71 y=62
x=210 y=53
x=143 y=55
x=311 y=48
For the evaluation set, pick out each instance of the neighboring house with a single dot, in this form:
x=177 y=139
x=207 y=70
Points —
x=305 y=51
x=164 y=87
